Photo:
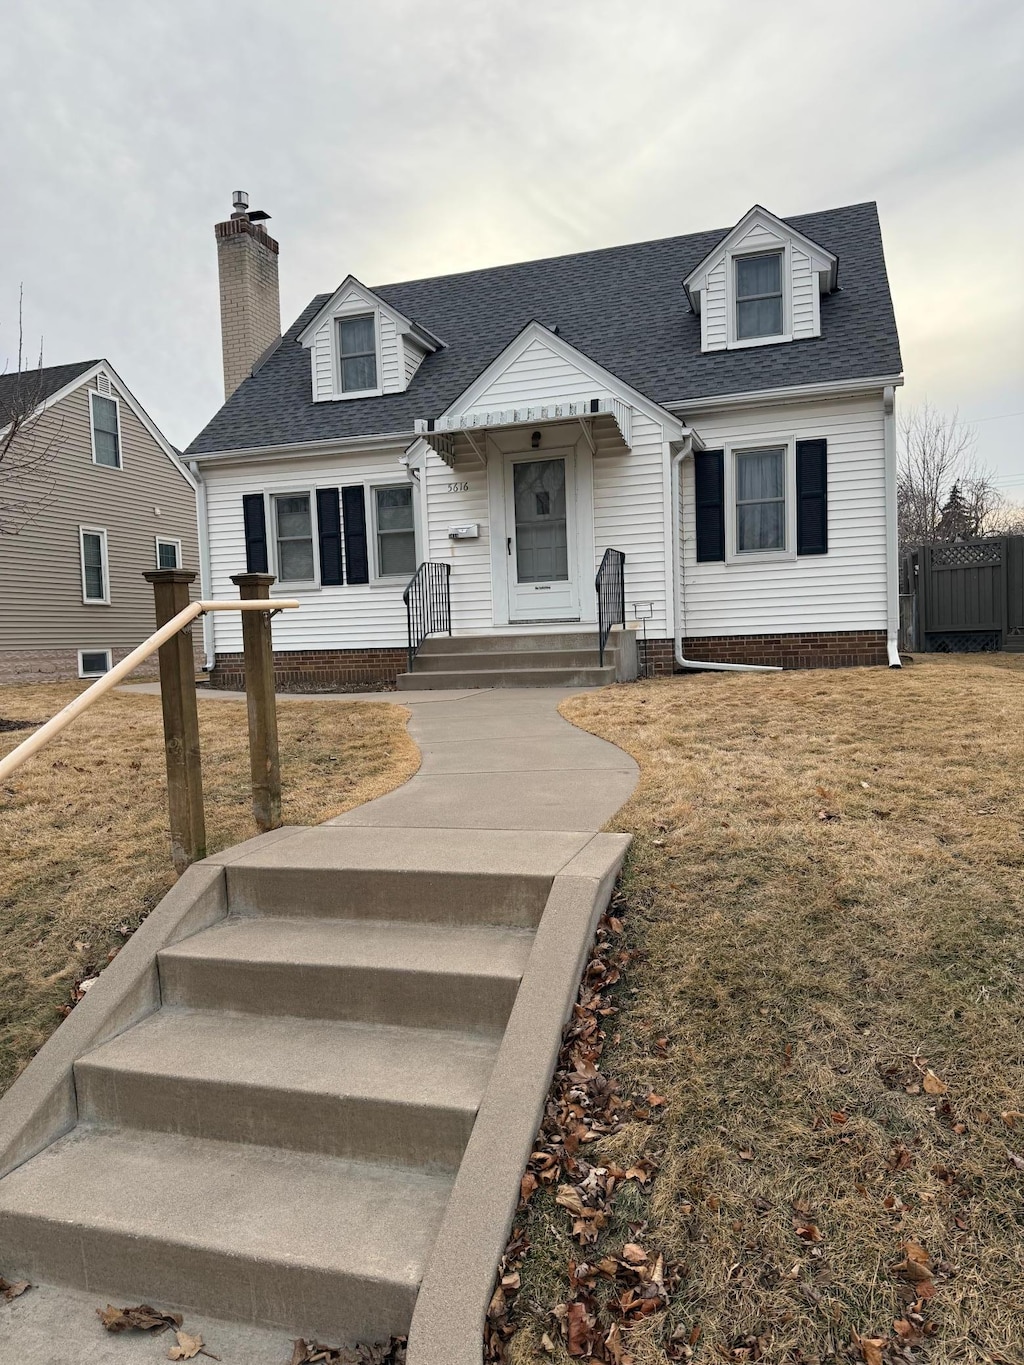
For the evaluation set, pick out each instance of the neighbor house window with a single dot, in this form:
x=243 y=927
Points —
x=357 y=346
x=293 y=531
x=168 y=554
x=396 y=534
x=106 y=434
x=95 y=572
x=758 y=296
x=93 y=663
x=760 y=500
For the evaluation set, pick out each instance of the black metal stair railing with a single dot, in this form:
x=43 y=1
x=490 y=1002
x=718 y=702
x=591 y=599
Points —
x=428 y=604
x=611 y=597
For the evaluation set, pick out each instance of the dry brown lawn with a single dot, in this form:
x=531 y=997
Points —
x=825 y=894
x=84 y=848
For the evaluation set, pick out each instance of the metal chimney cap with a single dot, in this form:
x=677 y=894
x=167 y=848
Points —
x=239 y=201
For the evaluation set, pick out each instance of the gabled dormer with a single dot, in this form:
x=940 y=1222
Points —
x=361 y=347
x=760 y=285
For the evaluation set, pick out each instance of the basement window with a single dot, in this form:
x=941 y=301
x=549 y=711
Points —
x=93 y=663
x=357 y=351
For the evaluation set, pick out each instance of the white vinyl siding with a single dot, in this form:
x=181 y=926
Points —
x=412 y=358
x=714 y=311
x=346 y=616
x=843 y=590
x=449 y=505
x=806 y=296
x=539 y=375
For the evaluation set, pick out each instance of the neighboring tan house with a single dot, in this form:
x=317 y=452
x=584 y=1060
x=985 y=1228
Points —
x=108 y=499
x=718 y=407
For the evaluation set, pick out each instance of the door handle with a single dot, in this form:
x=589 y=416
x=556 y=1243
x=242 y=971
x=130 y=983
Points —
x=509 y=544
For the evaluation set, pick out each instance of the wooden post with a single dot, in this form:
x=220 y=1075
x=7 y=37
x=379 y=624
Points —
x=264 y=756
x=181 y=721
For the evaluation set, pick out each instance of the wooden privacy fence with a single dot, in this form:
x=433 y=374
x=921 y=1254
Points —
x=173 y=638
x=963 y=596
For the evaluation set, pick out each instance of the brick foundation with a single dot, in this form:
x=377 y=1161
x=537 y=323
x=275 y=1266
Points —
x=816 y=649
x=317 y=669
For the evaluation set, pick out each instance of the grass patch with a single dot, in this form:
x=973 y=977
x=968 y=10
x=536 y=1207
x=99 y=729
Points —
x=83 y=826
x=825 y=899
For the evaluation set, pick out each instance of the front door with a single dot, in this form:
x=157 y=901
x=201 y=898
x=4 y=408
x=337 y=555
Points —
x=540 y=501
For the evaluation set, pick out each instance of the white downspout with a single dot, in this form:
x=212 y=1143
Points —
x=205 y=570
x=892 y=567
x=677 y=581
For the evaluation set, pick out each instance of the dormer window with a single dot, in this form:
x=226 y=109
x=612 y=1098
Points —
x=357 y=351
x=758 y=296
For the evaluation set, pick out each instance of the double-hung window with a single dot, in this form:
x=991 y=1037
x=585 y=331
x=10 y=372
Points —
x=293 y=534
x=760 y=500
x=95 y=569
x=759 y=309
x=357 y=351
x=396 y=531
x=106 y=433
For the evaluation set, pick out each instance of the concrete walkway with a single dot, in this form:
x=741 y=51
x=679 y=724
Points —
x=497 y=765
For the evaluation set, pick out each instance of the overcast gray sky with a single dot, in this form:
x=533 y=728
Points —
x=400 y=138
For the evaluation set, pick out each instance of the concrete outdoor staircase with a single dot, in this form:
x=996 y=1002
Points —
x=564 y=659
x=278 y=1141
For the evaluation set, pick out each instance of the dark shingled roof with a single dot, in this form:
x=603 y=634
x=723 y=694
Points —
x=40 y=384
x=624 y=306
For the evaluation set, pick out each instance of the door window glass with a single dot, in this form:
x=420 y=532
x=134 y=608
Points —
x=542 y=553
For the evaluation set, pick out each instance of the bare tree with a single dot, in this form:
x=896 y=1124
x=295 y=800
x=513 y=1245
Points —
x=1006 y=520
x=944 y=492
x=30 y=441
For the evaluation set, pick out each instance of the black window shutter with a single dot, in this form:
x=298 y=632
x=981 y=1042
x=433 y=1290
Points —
x=328 y=518
x=353 y=506
x=254 y=518
x=812 y=497
x=709 y=489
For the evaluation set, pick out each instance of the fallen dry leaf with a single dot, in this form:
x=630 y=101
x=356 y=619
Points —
x=871 y=1348
x=11 y=1289
x=933 y=1085
x=188 y=1347
x=140 y=1319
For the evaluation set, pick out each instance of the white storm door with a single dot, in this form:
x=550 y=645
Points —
x=540 y=508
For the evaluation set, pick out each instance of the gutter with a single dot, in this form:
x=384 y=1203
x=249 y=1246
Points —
x=205 y=569
x=892 y=581
x=677 y=582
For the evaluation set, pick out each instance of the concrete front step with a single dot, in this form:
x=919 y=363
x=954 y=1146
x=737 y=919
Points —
x=417 y=975
x=470 y=661
x=513 y=643
x=507 y=677
x=256 y=1233
x=376 y=1093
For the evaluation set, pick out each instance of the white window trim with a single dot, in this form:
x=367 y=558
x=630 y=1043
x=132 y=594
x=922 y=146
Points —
x=734 y=448
x=389 y=580
x=81 y=666
x=293 y=584
x=100 y=531
x=166 y=540
x=350 y=315
x=107 y=398
x=766 y=249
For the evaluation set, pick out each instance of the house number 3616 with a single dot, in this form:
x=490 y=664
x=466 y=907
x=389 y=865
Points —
x=458 y=488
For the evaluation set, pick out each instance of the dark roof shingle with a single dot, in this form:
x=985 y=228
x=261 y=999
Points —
x=622 y=306
x=41 y=384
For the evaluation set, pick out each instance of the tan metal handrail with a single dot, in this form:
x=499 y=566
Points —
x=84 y=700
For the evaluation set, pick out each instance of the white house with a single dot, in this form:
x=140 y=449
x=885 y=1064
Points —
x=717 y=407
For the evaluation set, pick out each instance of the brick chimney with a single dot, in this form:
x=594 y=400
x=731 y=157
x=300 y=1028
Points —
x=250 y=303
